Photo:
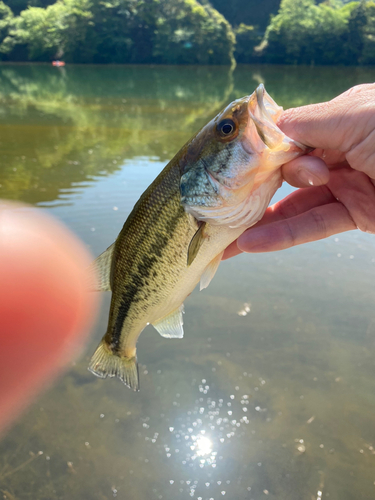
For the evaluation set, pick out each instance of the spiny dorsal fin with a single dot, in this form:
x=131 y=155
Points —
x=171 y=326
x=210 y=271
x=100 y=271
x=196 y=243
x=105 y=364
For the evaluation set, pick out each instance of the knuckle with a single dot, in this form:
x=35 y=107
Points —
x=319 y=222
x=288 y=209
x=290 y=237
x=357 y=89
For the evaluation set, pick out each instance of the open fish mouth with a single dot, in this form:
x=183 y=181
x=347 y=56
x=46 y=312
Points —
x=264 y=114
x=231 y=183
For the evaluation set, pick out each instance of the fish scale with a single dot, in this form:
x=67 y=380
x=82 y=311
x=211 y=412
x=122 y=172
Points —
x=218 y=184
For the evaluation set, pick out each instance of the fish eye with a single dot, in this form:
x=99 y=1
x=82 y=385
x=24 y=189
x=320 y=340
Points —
x=226 y=127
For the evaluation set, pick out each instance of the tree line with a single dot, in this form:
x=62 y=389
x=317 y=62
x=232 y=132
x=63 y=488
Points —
x=188 y=31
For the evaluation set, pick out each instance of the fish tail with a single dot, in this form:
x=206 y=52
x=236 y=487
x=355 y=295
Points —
x=104 y=363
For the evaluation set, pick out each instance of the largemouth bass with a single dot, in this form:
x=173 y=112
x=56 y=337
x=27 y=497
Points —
x=218 y=184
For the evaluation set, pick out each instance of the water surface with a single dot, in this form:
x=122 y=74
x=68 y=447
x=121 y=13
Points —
x=271 y=394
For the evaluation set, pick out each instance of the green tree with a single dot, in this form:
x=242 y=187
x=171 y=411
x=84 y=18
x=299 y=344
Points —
x=303 y=32
x=353 y=37
x=51 y=32
x=188 y=32
x=247 y=38
x=19 y=5
x=6 y=17
x=122 y=31
x=250 y=12
x=161 y=31
x=368 y=50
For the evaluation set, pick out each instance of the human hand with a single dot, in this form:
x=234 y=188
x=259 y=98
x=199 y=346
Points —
x=340 y=174
x=45 y=310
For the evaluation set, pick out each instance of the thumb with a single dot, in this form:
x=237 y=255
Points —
x=338 y=124
x=45 y=310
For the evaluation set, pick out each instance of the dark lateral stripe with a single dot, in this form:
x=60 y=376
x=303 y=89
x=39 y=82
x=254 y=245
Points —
x=129 y=298
x=138 y=278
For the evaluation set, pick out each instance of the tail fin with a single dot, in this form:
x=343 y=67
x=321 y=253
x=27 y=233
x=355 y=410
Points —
x=105 y=364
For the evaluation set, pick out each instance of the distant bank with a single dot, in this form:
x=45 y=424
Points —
x=188 y=32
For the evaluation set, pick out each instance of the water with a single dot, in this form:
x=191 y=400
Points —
x=271 y=392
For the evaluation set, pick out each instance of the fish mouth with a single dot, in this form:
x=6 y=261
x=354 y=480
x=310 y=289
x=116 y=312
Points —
x=238 y=197
x=263 y=134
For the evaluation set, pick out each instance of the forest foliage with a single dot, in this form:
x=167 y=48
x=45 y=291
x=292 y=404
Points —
x=304 y=32
x=188 y=31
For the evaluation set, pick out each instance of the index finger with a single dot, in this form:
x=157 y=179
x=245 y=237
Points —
x=297 y=203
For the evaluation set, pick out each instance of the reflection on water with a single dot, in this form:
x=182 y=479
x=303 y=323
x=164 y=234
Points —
x=271 y=392
x=58 y=128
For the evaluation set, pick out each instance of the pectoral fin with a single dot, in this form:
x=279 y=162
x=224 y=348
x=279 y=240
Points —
x=196 y=243
x=210 y=271
x=100 y=270
x=170 y=326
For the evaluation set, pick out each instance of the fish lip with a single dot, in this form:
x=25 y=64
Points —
x=259 y=93
x=267 y=115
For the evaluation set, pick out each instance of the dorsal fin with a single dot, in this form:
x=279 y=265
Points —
x=171 y=326
x=99 y=273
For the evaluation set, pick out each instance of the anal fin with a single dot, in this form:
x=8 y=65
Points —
x=99 y=272
x=171 y=326
x=105 y=364
x=210 y=271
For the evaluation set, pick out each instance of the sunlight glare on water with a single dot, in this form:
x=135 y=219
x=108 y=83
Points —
x=203 y=446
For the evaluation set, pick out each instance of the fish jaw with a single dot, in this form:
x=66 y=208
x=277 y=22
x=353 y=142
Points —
x=224 y=188
x=264 y=137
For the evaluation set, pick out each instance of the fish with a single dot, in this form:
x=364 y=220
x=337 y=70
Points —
x=217 y=185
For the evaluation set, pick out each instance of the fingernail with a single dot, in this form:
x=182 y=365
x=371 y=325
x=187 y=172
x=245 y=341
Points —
x=254 y=240
x=309 y=178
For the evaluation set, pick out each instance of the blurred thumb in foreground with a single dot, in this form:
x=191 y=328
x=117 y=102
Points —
x=45 y=310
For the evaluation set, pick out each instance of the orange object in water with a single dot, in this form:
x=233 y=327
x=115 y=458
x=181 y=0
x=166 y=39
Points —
x=58 y=63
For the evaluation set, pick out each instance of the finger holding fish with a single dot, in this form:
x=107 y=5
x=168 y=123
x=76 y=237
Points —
x=284 y=211
x=345 y=203
x=306 y=171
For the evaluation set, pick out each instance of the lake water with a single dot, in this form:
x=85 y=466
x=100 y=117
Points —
x=271 y=394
